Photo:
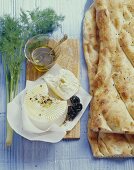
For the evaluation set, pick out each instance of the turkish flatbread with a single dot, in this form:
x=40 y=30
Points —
x=104 y=144
x=113 y=99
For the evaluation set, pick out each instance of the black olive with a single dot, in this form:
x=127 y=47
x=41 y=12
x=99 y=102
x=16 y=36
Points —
x=72 y=113
x=69 y=109
x=78 y=107
x=74 y=100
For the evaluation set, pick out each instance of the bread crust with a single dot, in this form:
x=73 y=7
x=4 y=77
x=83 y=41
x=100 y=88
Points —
x=113 y=82
x=111 y=109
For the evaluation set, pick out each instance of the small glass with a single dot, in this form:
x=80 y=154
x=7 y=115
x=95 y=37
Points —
x=37 y=51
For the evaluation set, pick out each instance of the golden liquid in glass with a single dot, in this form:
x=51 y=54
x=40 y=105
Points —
x=42 y=58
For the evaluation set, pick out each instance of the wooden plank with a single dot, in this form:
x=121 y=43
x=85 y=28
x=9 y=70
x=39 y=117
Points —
x=69 y=59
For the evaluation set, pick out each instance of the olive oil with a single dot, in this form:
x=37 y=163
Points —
x=42 y=51
x=42 y=58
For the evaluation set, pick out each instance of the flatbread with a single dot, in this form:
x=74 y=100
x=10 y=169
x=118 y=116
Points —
x=91 y=45
x=110 y=144
x=113 y=82
x=104 y=144
x=127 y=43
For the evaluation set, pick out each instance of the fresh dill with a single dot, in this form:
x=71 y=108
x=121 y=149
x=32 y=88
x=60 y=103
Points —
x=14 y=33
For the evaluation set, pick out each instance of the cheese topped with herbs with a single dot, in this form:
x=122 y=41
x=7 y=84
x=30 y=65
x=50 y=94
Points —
x=64 y=85
x=42 y=109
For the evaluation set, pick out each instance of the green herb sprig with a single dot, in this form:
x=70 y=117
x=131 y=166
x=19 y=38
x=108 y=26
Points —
x=40 y=22
x=13 y=34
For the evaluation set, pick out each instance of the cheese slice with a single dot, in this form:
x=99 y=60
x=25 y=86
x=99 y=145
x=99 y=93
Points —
x=42 y=109
x=64 y=85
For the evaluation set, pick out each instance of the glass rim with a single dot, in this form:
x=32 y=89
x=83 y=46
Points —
x=38 y=35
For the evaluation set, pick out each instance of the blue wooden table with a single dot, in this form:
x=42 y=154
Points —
x=65 y=155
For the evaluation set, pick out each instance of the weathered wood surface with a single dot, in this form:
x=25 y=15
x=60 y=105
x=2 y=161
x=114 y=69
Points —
x=68 y=59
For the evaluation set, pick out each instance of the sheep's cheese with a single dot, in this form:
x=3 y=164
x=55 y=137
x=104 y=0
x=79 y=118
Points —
x=42 y=109
x=64 y=85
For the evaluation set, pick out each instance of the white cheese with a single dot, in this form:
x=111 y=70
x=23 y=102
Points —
x=64 y=85
x=42 y=109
